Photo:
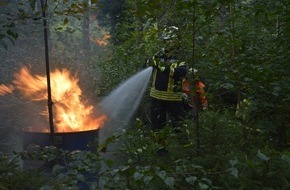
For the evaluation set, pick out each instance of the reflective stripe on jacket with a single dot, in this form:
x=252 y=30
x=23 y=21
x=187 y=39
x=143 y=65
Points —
x=166 y=81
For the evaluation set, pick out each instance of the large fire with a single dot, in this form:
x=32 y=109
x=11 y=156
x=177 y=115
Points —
x=70 y=114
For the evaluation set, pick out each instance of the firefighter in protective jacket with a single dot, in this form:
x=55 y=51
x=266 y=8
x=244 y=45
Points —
x=193 y=98
x=166 y=90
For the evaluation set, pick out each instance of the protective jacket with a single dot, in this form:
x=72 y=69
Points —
x=167 y=77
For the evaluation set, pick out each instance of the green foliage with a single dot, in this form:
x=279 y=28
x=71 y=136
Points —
x=260 y=171
x=50 y=168
x=223 y=164
x=240 y=47
x=12 y=177
x=146 y=170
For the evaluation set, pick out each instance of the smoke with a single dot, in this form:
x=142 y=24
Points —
x=17 y=113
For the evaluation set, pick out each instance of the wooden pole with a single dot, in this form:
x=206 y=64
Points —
x=194 y=94
x=49 y=101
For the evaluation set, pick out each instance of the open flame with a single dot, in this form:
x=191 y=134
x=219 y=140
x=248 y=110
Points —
x=4 y=89
x=69 y=112
x=101 y=41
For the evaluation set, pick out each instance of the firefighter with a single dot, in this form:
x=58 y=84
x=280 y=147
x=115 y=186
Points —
x=196 y=98
x=167 y=75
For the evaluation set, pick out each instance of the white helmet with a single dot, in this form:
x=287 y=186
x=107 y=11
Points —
x=169 y=33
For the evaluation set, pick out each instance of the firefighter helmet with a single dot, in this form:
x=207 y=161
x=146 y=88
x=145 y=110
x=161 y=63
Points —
x=169 y=33
x=171 y=41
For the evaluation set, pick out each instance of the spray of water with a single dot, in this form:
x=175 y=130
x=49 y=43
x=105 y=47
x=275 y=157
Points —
x=121 y=103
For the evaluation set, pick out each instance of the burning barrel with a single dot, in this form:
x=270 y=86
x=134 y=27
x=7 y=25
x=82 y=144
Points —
x=33 y=138
x=80 y=140
x=71 y=141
